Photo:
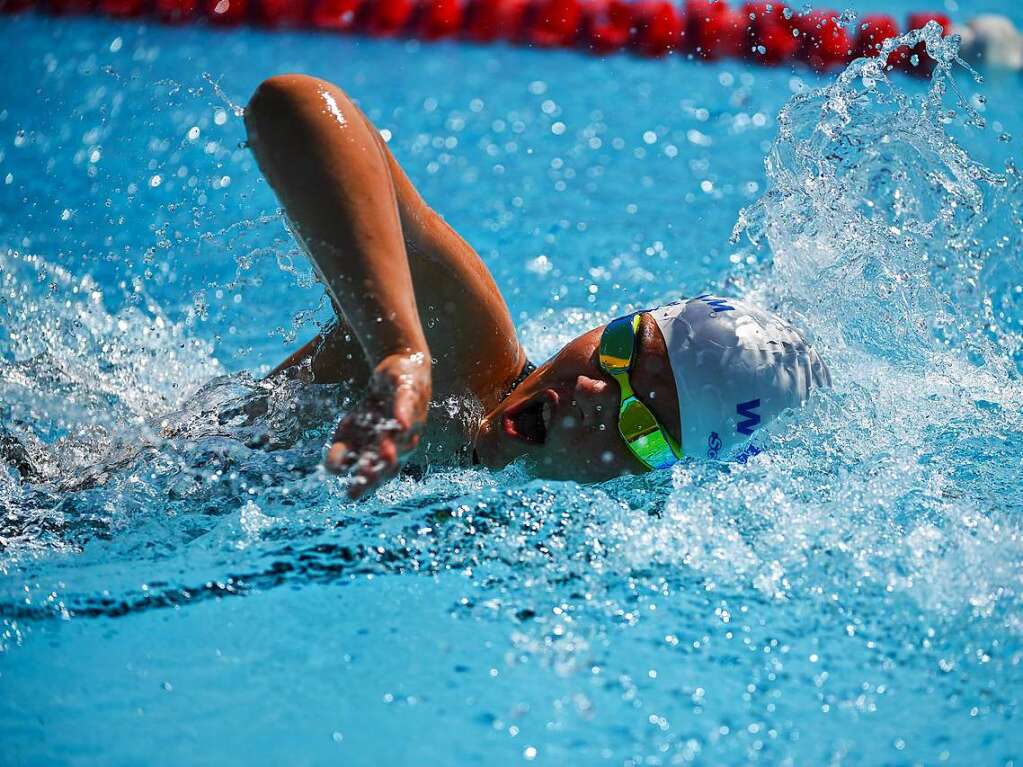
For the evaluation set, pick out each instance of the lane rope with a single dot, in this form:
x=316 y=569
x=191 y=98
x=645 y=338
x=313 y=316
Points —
x=760 y=32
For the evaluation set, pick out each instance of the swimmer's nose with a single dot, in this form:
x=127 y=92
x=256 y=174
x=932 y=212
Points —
x=595 y=400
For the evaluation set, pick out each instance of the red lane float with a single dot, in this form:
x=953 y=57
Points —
x=915 y=61
x=607 y=28
x=713 y=30
x=437 y=19
x=67 y=7
x=551 y=23
x=385 y=18
x=122 y=9
x=657 y=26
x=647 y=27
x=761 y=31
x=282 y=13
x=227 y=12
x=175 y=11
x=824 y=43
x=335 y=15
x=486 y=21
x=874 y=29
x=771 y=34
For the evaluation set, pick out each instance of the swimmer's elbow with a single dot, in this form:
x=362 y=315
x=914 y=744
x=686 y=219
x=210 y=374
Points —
x=274 y=103
x=278 y=91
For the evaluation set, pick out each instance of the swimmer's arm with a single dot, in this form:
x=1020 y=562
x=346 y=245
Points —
x=326 y=168
x=294 y=360
x=332 y=356
x=471 y=334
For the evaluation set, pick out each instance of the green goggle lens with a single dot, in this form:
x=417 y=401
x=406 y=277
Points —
x=643 y=435
x=635 y=420
x=617 y=345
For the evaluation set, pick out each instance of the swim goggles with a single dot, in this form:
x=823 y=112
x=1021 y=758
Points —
x=644 y=436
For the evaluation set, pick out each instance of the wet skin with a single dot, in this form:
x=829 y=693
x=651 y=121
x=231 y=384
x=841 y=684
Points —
x=419 y=316
x=563 y=419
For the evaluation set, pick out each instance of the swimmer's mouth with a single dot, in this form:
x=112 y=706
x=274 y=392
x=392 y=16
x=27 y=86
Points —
x=531 y=420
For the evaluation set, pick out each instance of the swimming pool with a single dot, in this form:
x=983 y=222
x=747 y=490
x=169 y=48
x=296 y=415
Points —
x=852 y=596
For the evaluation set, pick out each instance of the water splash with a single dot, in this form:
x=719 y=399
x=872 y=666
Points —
x=70 y=365
x=882 y=517
x=876 y=215
x=236 y=109
x=881 y=230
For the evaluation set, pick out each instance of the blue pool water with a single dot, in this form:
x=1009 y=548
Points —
x=180 y=584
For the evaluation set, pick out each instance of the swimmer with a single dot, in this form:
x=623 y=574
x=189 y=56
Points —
x=420 y=319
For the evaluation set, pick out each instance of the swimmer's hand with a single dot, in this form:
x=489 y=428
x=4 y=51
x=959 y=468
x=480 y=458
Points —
x=373 y=437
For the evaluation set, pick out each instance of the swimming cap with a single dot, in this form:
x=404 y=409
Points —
x=736 y=367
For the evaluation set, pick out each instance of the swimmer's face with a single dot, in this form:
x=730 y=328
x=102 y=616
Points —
x=563 y=419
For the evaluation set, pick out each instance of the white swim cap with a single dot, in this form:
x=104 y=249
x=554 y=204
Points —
x=736 y=367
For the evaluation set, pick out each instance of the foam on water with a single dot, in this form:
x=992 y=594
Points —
x=877 y=231
x=889 y=241
x=889 y=507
